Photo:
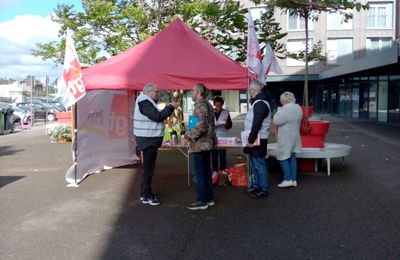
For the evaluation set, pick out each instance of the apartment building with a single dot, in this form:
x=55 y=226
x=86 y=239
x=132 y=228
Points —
x=361 y=77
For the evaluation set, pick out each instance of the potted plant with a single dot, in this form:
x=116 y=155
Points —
x=61 y=133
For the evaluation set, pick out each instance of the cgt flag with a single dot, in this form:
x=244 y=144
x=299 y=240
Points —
x=254 y=57
x=74 y=89
x=270 y=62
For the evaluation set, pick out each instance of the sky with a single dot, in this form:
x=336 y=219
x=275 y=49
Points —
x=22 y=24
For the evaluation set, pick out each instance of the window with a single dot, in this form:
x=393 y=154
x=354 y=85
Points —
x=380 y=15
x=339 y=50
x=335 y=21
x=378 y=43
x=296 y=23
x=296 y=46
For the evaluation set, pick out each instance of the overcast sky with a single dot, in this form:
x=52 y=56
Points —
x=22 y=24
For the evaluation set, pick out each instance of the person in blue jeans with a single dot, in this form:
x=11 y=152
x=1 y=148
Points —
x=202 y=140
x=288 y=121
x=257 y=123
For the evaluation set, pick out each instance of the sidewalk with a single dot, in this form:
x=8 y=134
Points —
x=353 y=214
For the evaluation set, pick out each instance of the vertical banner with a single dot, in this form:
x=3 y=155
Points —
x=254 y=57
x=74 y=89
x=105 y=133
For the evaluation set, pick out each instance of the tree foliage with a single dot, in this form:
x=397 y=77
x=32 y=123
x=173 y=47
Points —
x=310 y=10
x=108 y=27
x=270 y=32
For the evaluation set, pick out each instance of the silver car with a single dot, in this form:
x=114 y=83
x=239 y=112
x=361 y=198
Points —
x=22 y=116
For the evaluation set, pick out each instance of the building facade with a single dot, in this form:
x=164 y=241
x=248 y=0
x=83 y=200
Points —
x=361 y=77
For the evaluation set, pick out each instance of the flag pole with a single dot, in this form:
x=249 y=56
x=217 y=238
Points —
x=75 y=137
x=75 y=89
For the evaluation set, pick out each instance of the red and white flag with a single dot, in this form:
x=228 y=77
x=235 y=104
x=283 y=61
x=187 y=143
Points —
x=254 y=57
x=270 y=62
x=72 y=88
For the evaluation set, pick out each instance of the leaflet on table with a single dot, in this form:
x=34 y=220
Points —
x=193 y=120
x=245 y=136
x=227 y=141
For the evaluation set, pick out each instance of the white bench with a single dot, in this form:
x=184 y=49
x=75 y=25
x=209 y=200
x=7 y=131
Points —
x=329 y=151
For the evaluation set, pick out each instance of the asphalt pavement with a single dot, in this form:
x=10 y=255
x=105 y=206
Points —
x=352 y=214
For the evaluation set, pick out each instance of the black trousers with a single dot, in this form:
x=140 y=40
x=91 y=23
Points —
x=148 y=166
x=219 y=159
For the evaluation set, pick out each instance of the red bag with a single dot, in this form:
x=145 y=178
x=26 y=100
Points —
x=305 y=128
x=215 y=177
x=224 y=179
x=238 y=175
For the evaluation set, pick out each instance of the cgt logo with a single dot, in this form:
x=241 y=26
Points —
x=119 y=117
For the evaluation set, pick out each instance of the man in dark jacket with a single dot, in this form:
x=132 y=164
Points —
x=148 y=128
x=257 y=123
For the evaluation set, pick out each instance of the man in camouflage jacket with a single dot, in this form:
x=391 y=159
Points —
x=202 y=140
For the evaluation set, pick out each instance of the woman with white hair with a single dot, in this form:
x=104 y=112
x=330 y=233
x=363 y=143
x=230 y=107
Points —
x=288 y=121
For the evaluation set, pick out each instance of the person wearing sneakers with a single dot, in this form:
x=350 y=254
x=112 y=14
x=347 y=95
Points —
x=288 y=120
x=223 y=123
x=148 y=128
x=202 y=140
x=257 y=122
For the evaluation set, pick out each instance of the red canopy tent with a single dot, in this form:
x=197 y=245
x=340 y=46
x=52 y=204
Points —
x=175 y=58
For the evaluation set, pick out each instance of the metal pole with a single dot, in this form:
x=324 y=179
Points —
x=31 y=108
x=47 y=97
x=75 y=126
x=47 y=90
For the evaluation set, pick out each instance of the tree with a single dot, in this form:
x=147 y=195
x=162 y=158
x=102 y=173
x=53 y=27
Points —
x=310 y=10
x=270 y=32
x=108 y=27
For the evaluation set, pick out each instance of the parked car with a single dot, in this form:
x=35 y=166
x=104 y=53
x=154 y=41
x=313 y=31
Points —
x=57 y=105
x=22 y=116
x=40 y=111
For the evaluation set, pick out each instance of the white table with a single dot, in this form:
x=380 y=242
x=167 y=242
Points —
x=330 y=150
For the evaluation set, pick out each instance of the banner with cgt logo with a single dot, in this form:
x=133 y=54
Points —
x=105 y=136
x=73 y=88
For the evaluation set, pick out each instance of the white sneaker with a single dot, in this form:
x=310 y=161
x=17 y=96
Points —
x=285 y=184
x=294 y=183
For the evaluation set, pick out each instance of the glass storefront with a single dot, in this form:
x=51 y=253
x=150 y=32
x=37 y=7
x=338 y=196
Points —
x=375 y=98
x=383 y=99
x=394 y=99
x=355 y=100
x=373 y=87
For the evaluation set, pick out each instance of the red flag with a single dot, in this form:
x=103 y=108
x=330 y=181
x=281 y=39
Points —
x=72 y=74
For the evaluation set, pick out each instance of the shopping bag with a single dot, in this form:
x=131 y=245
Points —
x=238 y=175
x=224 y=179
x=215 y=177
